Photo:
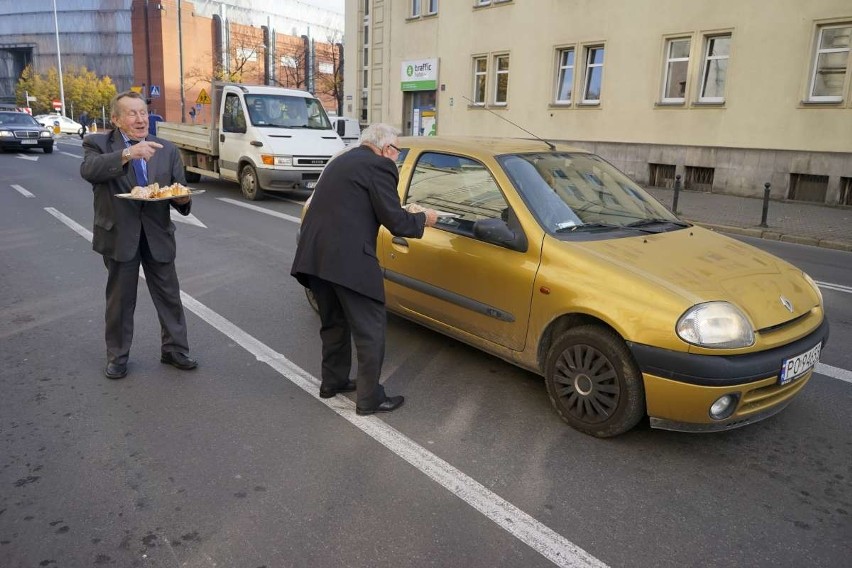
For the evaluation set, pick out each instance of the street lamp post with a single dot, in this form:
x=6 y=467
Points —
x=59 y=59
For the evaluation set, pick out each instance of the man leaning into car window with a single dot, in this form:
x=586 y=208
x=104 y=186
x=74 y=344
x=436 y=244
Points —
x=336 y=259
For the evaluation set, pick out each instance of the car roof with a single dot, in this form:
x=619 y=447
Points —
x=481 y=144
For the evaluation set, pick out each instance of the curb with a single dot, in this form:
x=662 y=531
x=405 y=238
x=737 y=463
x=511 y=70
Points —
x=845 y=246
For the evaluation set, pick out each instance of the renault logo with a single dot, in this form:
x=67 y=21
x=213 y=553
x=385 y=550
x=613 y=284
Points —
x=787 y=304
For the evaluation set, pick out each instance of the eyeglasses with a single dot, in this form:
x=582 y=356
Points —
x=395 y=148
x=136 y=114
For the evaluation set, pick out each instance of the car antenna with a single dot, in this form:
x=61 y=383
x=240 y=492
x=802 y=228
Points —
x=549 y=144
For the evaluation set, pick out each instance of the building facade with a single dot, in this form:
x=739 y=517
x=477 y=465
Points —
x=171 y=50
x=728 y=95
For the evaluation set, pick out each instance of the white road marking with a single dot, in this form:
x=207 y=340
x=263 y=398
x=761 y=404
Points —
x=72 y=155
x=22 y=191
x=836 y=287
x=30 y=158
x=261 y=210
x=834 y=372
x=522 y=526
x=188 y=219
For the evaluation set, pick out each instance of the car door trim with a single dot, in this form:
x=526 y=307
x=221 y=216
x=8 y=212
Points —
x=447 y=296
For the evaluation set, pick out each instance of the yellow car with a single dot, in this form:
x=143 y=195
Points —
x=550 y=258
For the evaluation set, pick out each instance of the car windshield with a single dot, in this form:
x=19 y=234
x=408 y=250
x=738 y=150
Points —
x=284 y=111
x=17 y=119
x=572 y=191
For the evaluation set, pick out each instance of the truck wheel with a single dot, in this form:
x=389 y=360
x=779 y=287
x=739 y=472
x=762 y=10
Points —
x=249 y=184
x=593 y=382
x=192 y=177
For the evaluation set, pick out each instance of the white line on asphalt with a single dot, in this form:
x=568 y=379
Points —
x=834 y=372
x=837 y=287
x=22 y=191
x=522 y=526
x=260 y=209
x=72 y=155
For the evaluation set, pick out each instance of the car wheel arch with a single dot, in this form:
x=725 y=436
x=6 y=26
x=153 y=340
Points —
x=559 y=325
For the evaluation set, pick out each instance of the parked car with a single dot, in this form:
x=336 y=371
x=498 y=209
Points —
x=550 y=258
x=66 y=125
x=20 y=131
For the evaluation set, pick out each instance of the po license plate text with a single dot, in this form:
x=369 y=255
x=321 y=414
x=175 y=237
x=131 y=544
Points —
x=797 y=366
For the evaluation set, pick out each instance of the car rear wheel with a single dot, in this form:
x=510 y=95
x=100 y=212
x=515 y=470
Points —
x=593 y=382
x=249 y=184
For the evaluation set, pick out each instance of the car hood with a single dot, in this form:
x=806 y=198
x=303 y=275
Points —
x=702 y=266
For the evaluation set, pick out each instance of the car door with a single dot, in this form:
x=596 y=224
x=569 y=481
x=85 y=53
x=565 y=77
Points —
x=233 y=140
x=449 y=277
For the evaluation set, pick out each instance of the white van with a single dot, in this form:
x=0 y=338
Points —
x=347 y=128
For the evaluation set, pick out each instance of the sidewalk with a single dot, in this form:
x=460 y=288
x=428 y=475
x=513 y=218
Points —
x=793 y=222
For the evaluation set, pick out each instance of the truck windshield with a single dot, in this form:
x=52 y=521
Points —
x=284 y=111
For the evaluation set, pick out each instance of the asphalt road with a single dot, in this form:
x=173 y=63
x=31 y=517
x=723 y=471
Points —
x=239 y=464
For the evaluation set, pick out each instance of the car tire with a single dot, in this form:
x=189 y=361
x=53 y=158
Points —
x=593 y=382
x=48 y=149
x=192 y=177
x=249 y=184
x=312 y=299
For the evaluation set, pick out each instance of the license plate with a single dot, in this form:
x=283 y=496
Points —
x=310 y=184
x=795 y=367
x=29 y=141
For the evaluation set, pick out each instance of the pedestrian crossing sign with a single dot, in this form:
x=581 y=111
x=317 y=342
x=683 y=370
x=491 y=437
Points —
x=203 y=98
x=155 y=91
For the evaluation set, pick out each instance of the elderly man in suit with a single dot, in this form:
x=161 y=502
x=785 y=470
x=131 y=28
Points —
x=336 y=259
x=129 y=233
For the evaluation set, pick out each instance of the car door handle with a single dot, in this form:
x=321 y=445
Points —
x=400 y=241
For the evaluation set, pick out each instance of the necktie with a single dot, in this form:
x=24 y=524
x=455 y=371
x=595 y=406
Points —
x=139 y=168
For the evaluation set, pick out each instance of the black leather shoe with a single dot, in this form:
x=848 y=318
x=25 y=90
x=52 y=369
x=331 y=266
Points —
x=180 y=360
x=390 y=404
x=328 y=393
x=115 y=370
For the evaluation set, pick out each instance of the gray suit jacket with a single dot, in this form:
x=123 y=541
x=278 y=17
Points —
x=119 y=222
x=356 y=193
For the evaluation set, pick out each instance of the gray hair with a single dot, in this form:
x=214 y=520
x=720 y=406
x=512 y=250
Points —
x=379 y=134
x=113 y=104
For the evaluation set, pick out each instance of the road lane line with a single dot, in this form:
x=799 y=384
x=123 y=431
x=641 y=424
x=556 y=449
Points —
x=834 y=372
x=261 y=210
x=837 y=287
x=72 y=155
x=22 y=191
x=519 y=524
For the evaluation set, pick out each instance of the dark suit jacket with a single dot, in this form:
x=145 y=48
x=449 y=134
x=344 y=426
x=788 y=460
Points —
x=356 y=193
x=119 y=222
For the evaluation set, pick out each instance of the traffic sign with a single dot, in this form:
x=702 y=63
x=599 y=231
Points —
x=155 y=91
x=57 y=104
x=203 y=98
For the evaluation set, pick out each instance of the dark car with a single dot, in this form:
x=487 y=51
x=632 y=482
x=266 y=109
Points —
x=20 y=131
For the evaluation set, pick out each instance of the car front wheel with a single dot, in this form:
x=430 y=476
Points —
x=48 y=149
x=593 y=382
x=249 y=184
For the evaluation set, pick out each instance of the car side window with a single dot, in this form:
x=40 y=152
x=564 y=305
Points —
x=233 y=119
x=461 y=188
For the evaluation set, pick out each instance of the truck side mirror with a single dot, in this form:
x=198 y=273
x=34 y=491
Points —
x=341 y=128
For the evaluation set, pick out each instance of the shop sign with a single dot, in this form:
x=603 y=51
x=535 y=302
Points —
x=419 y=75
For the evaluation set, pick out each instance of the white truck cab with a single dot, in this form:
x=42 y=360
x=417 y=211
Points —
x=264 y=138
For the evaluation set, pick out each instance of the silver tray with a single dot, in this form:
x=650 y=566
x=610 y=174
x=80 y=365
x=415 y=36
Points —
x=128 y=196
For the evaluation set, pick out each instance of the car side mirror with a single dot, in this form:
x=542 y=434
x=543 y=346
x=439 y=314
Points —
x=497 y=232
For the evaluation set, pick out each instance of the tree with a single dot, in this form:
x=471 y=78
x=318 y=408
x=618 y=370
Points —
x=330 y=54
x=84 y=90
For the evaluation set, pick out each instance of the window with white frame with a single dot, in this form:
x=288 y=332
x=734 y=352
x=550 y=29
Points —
x=489 y=2
x=831 y=63
x=415 y=8
x=717 y=51
x=431 y=7
x=288 y=61
x=480 y=72
x=501 y=79
x=677 y=64
x=246 y=54
x=565 y=75
x=593 y=79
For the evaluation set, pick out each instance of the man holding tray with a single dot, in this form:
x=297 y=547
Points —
x=132 y=232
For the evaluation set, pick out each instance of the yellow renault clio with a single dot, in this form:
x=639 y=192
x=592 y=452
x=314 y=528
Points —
x=550 y=258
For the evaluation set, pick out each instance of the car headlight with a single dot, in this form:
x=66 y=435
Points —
x=286 y=161
x=5 y=133
x=814 y=285
x=45 y=134
x=715 y=325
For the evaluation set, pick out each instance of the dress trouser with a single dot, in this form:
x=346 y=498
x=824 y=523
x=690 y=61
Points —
x=346 y=315
x=122 y=281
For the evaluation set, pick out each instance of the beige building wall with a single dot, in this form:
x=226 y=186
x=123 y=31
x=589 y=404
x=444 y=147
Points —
x=764 y=130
